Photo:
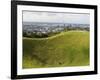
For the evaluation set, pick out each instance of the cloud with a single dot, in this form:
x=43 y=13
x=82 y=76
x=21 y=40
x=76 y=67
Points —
x=36 y=16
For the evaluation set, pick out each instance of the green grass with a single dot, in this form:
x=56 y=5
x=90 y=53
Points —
x=64 y=49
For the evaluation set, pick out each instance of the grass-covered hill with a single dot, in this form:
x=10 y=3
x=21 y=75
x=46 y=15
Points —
x=64 y=49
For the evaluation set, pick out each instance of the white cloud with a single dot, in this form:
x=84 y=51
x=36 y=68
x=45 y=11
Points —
x=31 y=16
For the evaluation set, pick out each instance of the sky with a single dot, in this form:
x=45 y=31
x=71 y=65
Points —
x=56 y=17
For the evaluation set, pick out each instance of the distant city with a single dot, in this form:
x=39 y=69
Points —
x=44 y=27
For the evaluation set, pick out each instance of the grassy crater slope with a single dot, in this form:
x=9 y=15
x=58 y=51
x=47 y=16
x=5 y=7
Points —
x=64 y=49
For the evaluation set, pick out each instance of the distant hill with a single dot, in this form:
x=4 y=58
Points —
x=48 y=24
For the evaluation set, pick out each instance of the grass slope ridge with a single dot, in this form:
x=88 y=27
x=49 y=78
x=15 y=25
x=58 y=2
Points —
x=67 y=49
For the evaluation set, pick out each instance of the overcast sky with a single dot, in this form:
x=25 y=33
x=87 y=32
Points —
x=32 y=16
